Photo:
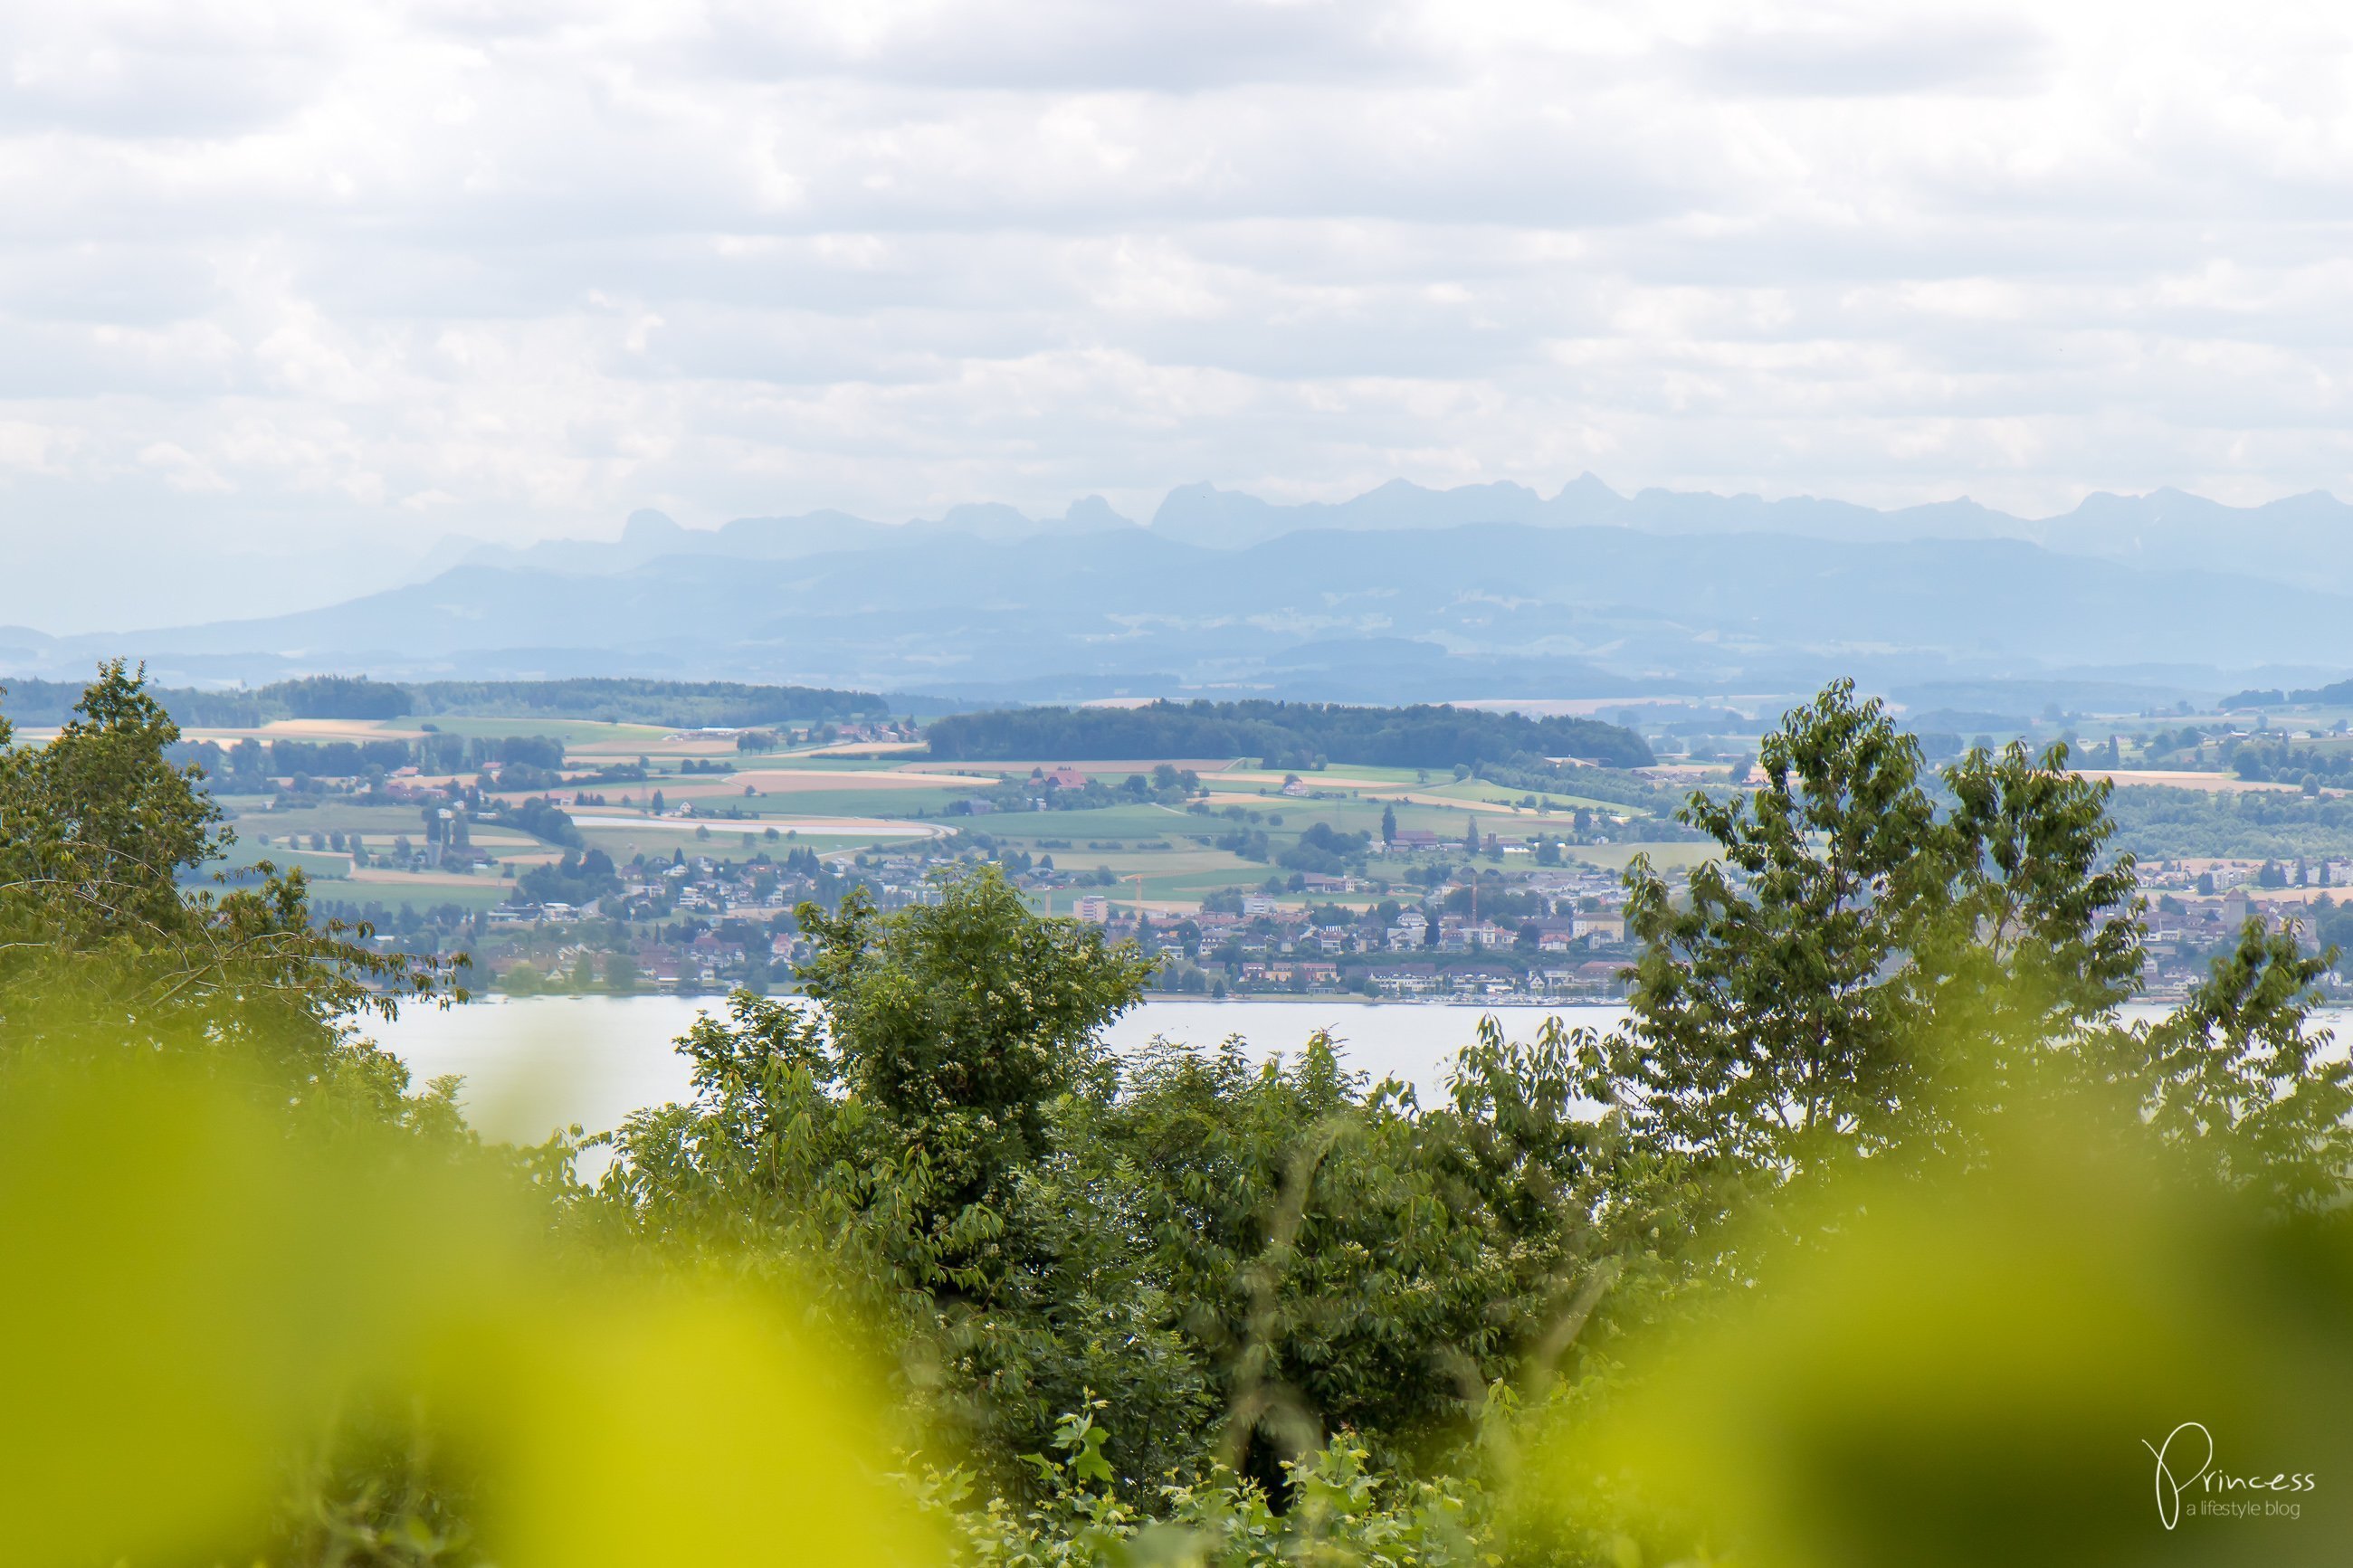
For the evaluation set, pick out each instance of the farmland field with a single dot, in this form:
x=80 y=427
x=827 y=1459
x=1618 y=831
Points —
x=839 y=802
x=579 y=732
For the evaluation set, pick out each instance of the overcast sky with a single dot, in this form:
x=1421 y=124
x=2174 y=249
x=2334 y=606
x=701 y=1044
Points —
x=287 y=281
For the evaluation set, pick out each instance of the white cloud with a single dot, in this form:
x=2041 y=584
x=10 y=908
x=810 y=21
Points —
x=302 y=280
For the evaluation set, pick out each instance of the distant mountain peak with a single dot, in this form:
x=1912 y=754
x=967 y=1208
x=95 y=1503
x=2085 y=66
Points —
x=1588 y=484
x=649 y=527
x=1203 y=514
x=1090 y=514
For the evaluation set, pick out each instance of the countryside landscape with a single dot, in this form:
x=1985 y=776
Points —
x=569 y=853
x=1057 y=784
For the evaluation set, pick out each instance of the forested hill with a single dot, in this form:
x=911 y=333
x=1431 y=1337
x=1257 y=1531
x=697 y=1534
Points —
x=42 y=703
x=1287 y=734
x=685 y=704
x=681 y=704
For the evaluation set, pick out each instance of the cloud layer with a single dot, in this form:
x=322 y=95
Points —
x=287 y=291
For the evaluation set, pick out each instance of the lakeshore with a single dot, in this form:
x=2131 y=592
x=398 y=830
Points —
x=533 y=1064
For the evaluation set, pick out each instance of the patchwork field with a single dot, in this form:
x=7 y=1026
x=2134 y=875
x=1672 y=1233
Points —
x=720 y=799
x=2182 y=778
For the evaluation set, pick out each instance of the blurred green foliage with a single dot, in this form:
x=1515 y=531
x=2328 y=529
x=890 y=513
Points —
x=1962 y=1364
x=234 y=1336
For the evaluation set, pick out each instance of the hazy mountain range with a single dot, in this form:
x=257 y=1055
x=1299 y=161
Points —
x=1403 y=593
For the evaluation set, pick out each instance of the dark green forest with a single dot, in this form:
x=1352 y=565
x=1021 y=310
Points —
x=2162 y=824
x=680 y=704
x=251 y=765
x=677 y=704
x=45 y=704
x=1284 y=734
x=2334 y=694
x=1878 y=1234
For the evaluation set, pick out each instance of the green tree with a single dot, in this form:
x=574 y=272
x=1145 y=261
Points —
x=959 y=1022
x=1239 y=1258
x=886 y=1140
x=2238 y=1081
x=1388 y=825
x=100 y=838
x=2037 y=924
x=1794 y=1004
x=1331 y=1256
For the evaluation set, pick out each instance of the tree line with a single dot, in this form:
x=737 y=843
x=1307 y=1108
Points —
x=249 y=766
x=676 y=704
x=680 y=704
x=2336 y=694
x=2161 y=823
x=1284 y=735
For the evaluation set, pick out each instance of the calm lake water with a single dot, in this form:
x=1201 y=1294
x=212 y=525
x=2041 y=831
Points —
x=535 y=1064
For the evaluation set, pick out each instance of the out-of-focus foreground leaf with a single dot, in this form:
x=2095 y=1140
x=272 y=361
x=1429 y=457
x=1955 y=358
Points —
x=669 y=1426
x=198 y=1291
x=1963 y=1369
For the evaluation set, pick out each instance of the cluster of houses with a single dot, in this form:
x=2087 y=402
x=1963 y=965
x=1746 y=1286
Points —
x=1537 y=930
x=1565 y=937
x=704 y=923
x=1592 y=979
x=2183 y=930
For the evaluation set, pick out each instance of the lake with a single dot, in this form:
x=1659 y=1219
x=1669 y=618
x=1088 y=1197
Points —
x=535 y=1064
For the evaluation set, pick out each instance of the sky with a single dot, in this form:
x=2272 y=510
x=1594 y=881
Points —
x=291 y=292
